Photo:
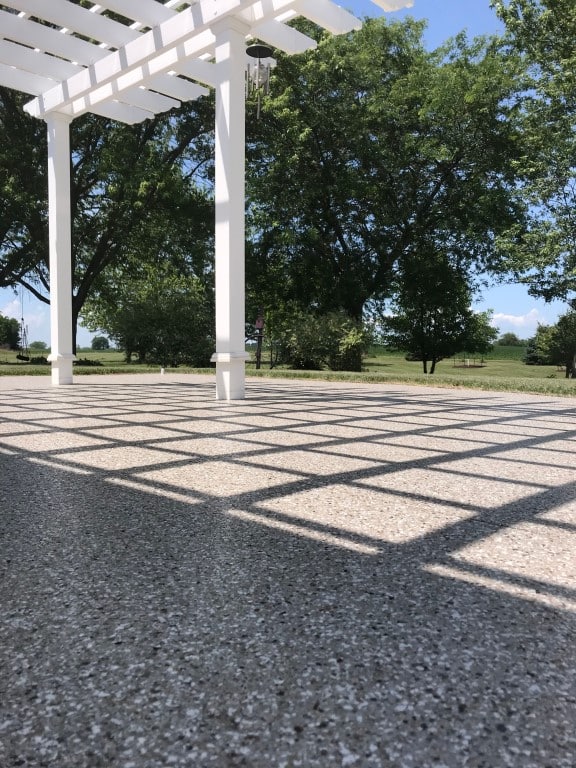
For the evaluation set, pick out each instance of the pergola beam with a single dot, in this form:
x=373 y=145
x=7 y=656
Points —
x=186 y=35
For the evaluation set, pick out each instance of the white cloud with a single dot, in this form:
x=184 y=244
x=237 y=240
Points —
x=524 y=325
x=36 y=318
x=393 y=5
x=12 y=309
x=38 y=323
x=529 y=320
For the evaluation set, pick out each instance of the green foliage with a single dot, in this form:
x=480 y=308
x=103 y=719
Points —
x=163 y=317
x=480 y=334
x=9 y=332
x=555 y=345
x=368 y=147
x=431 y=317
x=544 y=254
x=370 y=152
x=508 y=375
x=538 y=351
x=100 y=342
x=502 y=352
x=23 y=185
x=86 y=362
x=348 y=347
x=544 y=31
x=563 y=343
x=37 y=346
x=312 y=342
x=510 y=340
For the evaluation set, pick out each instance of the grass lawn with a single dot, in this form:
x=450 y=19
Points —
x=502 y=370
x=102 y=361
x=488 y=367
x=498 y=372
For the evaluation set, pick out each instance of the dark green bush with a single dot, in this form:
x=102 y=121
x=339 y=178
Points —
x=84 y=361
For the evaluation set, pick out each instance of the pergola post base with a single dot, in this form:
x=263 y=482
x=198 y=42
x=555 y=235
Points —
x=61 y=369
x=230 y=376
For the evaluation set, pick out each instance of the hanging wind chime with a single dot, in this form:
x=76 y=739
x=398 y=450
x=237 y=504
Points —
x=258 y=71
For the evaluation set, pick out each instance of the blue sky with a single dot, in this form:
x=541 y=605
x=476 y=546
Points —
x=514 y=310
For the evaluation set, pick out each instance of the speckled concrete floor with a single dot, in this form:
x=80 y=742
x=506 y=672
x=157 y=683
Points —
x=320 y=575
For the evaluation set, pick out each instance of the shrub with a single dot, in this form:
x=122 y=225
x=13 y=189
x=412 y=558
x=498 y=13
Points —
x=84 y=361
x=311 y=342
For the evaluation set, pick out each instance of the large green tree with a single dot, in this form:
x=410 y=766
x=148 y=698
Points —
x=161 y=315
x=136 y=192
x=368 y=146
x=555 y=345
x=431 y=317
x=544 y=255
x=563 y=343
x=23 y=191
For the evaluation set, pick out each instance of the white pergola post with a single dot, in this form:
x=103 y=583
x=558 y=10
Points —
x=230 y=354
x=60 y=248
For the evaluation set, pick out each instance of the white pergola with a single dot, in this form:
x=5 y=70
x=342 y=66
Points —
x=129 y=60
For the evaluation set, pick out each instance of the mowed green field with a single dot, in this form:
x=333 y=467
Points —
x=501 y=370
x=499 y=364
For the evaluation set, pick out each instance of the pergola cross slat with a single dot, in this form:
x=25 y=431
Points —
x=67 y=15
x=148 y=13
x=31 y=61
x=129 y=60
x=47 y=39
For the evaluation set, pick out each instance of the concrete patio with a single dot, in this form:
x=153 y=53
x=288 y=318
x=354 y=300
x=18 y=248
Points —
x=319 y=575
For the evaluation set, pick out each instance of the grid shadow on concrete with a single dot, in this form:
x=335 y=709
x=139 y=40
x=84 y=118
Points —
x=320 y=575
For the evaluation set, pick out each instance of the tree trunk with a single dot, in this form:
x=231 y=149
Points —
x=425 y=365
x=74 y=326
x=433 y=366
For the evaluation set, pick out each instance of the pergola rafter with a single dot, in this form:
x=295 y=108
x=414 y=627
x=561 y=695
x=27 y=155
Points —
x=76 y=59
x=130 y=60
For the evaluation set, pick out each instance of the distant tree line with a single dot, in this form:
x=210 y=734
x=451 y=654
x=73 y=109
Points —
x=510 y=339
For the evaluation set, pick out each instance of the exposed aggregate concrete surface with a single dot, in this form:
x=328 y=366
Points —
x=319 y=575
